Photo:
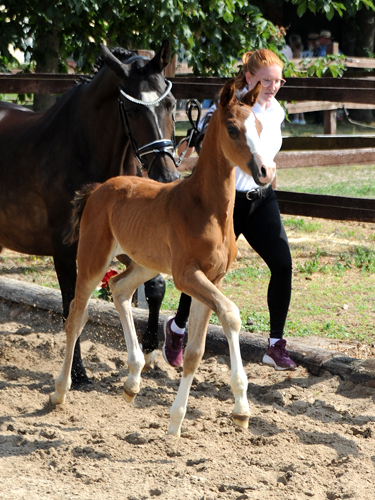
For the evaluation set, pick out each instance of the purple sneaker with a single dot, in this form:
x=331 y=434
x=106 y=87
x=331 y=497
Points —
x=278 y=357
x=173 y=344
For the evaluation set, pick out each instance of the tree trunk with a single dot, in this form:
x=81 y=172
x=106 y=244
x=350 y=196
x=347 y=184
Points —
x=48 y=46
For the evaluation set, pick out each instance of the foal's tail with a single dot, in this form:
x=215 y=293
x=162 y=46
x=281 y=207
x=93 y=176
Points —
x=79 y=202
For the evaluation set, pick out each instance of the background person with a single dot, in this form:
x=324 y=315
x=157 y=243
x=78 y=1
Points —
x=325 y=38
x=312 y=44
x=256 y=216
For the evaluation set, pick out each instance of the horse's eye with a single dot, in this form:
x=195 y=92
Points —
x=171 y=106
x=233 y=131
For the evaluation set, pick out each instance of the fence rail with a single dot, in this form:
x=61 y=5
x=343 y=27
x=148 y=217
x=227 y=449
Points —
x=296 y=152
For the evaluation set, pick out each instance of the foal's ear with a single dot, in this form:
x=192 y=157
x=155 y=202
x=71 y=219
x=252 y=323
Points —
x=227 y=93
x=162 y=57
x=251 y=97
x=112 y=62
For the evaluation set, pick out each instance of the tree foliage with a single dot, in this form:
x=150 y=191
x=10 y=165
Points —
x=210 y=34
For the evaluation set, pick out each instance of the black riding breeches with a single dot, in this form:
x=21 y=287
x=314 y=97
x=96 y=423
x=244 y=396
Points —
x=260 y=223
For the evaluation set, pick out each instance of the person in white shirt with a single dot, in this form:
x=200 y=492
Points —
x=256 y=215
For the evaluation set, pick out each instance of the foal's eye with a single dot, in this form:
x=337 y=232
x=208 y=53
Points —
x=233 y=131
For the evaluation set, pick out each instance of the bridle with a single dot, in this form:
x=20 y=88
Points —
x=161 y=146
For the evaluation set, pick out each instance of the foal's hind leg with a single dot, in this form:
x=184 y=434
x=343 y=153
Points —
x=123 y=287
x=90 y=272
x=65 y=265
x=73 y=327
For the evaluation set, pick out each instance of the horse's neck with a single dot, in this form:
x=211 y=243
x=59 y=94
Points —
x=99 y=102
x=213 y=179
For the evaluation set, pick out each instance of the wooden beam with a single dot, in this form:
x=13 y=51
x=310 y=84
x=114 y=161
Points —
x=308 y=106
x=326 y=207
x=297 y=89
x=301 y=159
x=252 y=345
x=316 y=142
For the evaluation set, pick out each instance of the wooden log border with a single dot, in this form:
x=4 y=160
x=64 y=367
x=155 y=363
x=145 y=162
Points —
x=253 y=346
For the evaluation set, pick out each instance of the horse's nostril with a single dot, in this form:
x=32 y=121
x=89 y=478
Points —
x=263 y=171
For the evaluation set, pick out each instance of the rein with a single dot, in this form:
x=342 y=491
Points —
x=193 y=132
x=162 y=146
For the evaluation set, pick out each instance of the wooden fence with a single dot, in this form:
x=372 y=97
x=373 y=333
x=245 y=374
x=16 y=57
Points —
x=296 y=151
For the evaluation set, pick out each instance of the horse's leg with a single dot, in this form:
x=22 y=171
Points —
x=198 y=321
x=66 y=270
x=154 y=291
x=197 y=285
x=122 y=287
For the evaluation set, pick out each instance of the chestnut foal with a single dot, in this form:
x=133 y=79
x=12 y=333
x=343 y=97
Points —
x=184 y=229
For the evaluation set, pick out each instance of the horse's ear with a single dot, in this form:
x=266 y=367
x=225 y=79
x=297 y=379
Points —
x=227 y=93
x=112 y=62
x=251 y=97
x=162 y=57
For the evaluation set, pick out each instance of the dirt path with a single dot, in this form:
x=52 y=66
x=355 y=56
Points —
x=309 y=437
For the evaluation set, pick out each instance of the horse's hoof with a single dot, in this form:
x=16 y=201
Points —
x=241 y=421
x=128 y=395
x=81 y=383
x=149 y=361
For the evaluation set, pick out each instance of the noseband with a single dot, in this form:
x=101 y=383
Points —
x=161 y=146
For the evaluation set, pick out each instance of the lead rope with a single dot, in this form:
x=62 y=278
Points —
x=190 y=106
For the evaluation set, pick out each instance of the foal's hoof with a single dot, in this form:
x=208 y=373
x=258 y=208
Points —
x=241 y=421
x=54 y=399
x=128 y=395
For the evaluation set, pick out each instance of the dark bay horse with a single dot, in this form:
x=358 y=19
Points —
x=184 y=228
x=93 y=132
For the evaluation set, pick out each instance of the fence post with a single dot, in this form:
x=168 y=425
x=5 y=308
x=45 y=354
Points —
x=330 y=122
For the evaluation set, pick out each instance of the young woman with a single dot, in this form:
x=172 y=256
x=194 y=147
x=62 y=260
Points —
x=256 y=216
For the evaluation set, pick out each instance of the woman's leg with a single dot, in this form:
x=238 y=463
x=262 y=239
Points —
x=174 y=332
x=260 y=223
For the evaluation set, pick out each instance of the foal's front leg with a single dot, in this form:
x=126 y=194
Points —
x=199 y=286
x=198 y=322
x=123 y=286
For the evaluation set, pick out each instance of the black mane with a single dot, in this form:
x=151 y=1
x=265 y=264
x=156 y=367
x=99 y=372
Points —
x=122 y=54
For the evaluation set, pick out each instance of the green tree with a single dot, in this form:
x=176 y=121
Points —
x=211 y=33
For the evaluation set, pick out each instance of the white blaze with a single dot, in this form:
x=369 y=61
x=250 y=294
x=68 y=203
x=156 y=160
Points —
x=252 y=137
x=149 y=96
x=152 y=97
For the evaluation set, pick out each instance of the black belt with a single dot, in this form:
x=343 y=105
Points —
x=253 y=194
